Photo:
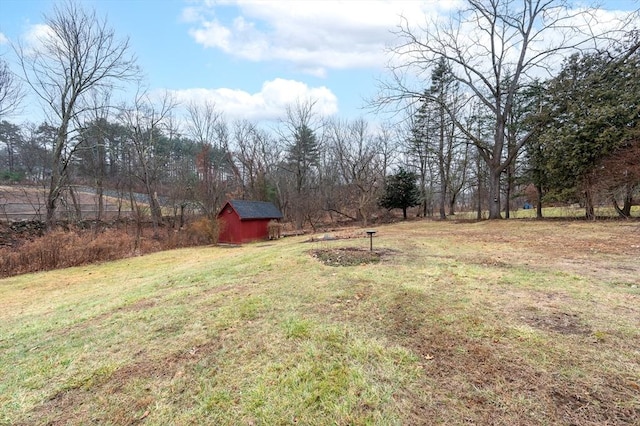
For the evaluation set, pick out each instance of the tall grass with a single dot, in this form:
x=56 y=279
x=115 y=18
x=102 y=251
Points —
x=64 y=248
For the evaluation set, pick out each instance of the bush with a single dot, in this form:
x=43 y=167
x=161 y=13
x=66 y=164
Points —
x=11 y=177
x=75 y=246
x=204 y=231
x=275 y=229
x=61 y=249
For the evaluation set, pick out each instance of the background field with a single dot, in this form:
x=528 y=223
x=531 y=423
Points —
x=28 y=203
x=500 y=322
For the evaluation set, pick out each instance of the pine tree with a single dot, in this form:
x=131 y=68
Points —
x=400 y=192
x=591 y=111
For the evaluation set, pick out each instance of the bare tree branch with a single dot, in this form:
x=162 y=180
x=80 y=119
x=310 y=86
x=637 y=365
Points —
x=11 y=91
x=494 y=47
x=78 y=55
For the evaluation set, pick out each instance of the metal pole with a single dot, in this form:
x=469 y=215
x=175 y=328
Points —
x=370 y=233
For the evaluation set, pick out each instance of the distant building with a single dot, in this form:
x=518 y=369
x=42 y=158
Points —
x=243 y=221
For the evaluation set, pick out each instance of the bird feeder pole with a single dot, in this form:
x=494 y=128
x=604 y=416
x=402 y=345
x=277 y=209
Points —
x=370 y=233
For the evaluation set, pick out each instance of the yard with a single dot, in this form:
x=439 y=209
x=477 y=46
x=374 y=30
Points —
x=497 y=322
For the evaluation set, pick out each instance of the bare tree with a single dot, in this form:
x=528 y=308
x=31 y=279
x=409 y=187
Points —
x=78 y=54
x=92 y=149
x=203 y=121
x=359 y=162
x=11 y=91
x=485 y=42
x=148 y=123
x=257 y=154
x=208 y=128
x=388 y=138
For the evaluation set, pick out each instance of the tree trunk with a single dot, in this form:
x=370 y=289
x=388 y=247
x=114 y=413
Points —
x=55 y=183
x=588 y=205
x=628 y=202
x=404 y=213
x=441 y=167
x=156 y=212
x=443 y=190
x=479 y=189
x=135 y=209
x=494 y=193
x=362 y=216
x=53 y=195
x=76 y=205
x=298 y=216
x=100 y=194
x=539 y=202
x=625 y=211
x=51 y=205
x=507 y=205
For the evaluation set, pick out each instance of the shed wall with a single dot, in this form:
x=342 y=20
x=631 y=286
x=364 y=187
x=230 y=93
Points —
x=230 y=226
x=236 y=231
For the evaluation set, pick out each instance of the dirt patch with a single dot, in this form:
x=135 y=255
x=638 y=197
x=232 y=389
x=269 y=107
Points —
x=346 y=256
x=494 y=262
x=607 y=403
x=560 y=322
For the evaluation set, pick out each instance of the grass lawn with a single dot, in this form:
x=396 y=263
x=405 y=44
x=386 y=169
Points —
x=497 y=322
x=566 y=212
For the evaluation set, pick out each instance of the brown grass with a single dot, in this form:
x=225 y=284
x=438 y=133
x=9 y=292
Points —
x=74 y=247
x=498 y=345
x=503 y=323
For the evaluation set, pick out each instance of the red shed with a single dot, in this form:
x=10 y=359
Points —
x=243 y=221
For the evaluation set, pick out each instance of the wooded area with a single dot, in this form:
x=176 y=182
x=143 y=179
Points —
x=478 y=129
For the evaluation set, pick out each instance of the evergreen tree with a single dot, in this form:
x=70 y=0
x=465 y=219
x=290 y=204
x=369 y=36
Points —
x=302 y=162
x=591 y=111
x=303 y=156
x=11 y=138
x=400 y=192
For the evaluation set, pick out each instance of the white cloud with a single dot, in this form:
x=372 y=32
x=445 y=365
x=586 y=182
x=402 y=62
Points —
x=267 y=104
x=190 y=15
x=313 y=35
x=35 y=36
x=318 y=35
x=3 y=39
x=558 y=33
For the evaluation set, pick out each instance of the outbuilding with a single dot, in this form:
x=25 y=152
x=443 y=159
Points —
x=242 y=221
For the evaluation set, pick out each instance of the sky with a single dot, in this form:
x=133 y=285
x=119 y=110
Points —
x=252 y=58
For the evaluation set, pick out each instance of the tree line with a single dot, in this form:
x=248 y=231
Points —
x=478 y=128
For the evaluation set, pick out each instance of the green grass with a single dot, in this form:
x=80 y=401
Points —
x=489 y=323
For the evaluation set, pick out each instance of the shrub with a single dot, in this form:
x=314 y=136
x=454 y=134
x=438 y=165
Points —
x=204 y=231
x=275 y=229
x=61 y=249
x=75 y=246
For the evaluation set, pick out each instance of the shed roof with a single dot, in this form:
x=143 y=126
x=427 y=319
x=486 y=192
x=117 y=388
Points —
x=255 y=209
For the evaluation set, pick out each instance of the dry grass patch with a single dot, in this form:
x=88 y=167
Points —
x=346 y=256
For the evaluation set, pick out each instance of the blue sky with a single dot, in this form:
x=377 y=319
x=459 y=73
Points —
x=252 y=58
